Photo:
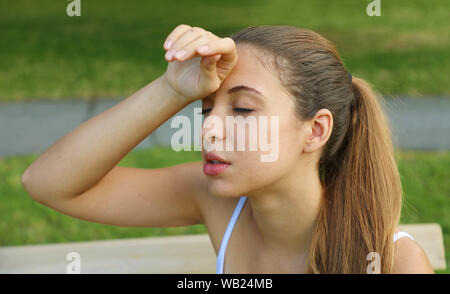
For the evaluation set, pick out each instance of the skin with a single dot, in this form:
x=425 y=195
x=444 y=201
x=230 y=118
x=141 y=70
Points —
x=279 y=191
x=410 y=258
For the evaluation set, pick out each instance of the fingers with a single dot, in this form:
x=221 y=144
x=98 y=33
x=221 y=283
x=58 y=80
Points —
x=208 y=65
x=175 y=34
x=182 y=36
x=191 y=48
x=186 y=41
x=224 y=46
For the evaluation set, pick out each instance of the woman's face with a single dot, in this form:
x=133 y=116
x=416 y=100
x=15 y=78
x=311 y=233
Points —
x=249 y=170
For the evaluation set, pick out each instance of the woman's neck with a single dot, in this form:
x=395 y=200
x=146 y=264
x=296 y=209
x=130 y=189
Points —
x=285 y=214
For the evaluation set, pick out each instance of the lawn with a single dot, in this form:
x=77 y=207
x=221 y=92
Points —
x=24 y=221
x=115 y=47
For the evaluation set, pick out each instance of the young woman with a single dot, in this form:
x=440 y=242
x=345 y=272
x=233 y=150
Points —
x=329 y=203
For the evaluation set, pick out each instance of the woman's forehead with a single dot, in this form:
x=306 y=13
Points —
x=248 y=77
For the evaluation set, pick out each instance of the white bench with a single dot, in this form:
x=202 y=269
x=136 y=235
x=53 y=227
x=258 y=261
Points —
x=173 y=254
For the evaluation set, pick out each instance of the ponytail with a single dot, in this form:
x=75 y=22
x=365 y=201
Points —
x=363 y=192
x=361 y=207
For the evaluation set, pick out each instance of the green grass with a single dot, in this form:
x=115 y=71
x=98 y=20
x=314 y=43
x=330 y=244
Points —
x=115 y=47
x=24 y=221
x=426 y=187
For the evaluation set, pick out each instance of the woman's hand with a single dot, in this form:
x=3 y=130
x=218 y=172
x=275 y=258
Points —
x=197 y=74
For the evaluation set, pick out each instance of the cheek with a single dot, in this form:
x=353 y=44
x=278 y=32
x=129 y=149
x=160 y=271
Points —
x=281 y=153
x=249 y=171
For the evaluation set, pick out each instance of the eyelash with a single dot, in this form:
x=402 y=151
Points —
x=240 y=110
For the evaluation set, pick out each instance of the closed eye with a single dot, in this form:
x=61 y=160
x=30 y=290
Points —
x=240 y=110
x=245 y=110
x=205 y=111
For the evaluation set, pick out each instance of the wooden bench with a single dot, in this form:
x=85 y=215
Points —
x=173 y=254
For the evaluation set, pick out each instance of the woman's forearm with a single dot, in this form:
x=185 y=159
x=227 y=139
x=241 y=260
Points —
x=86 y=154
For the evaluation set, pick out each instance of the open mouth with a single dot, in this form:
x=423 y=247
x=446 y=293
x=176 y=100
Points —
x=214 y=158
x=217 y=161
x=215 y=165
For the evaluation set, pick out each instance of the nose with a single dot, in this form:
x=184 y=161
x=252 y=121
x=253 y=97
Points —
x=213 y=129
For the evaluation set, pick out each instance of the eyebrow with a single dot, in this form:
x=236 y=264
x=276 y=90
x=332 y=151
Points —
x=244 y=88
x=238 y=89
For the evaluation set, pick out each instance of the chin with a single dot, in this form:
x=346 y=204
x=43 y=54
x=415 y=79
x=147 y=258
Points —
x=223 y=189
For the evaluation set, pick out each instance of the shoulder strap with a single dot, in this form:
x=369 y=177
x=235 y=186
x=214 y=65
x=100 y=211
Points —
x=399 y=235
x=226 y=237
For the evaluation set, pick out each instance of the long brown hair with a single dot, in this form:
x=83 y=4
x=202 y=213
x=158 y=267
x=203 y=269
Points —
x=361 y=207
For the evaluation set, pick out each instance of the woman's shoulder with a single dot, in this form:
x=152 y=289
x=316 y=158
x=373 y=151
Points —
x=410 y=258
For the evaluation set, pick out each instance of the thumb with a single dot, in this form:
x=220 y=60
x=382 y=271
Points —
x=208 y=63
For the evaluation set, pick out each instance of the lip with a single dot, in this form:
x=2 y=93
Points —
x=211 y=156
x=213 y=169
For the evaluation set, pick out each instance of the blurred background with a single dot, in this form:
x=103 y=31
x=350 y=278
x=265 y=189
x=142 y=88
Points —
x=56 y=71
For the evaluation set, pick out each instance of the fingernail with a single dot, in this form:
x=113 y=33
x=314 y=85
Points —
x=202 y=48
x=180 y=54
x=168 y=43
x=170 y=53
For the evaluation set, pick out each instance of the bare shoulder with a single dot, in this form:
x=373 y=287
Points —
x=410 y=258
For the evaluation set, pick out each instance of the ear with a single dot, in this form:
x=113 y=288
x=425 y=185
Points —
x=319 y=130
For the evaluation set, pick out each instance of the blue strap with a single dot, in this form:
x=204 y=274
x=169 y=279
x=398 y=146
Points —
x=226 y=237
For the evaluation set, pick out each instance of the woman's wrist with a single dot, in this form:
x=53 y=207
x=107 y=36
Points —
x=168 y=91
